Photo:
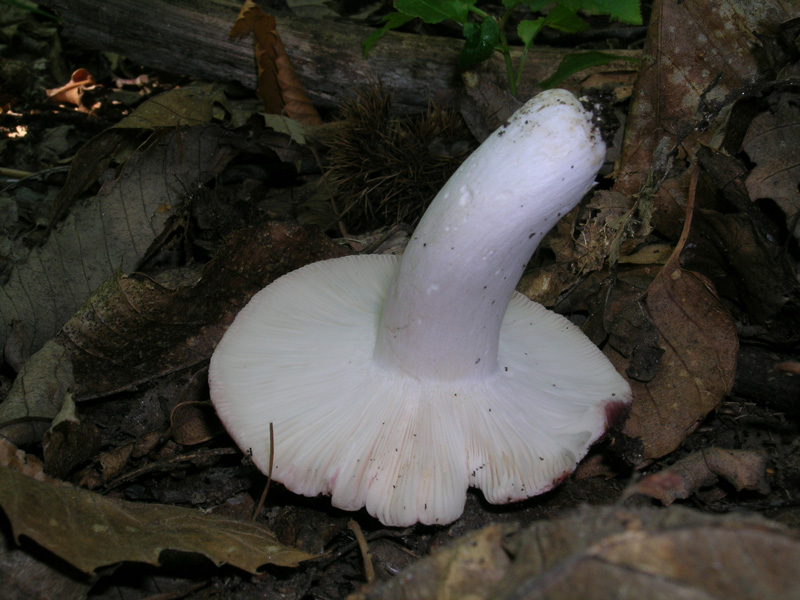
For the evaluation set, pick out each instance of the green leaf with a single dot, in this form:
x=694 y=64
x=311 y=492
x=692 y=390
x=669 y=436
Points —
x=435 y=11
x=574 y=63
x=527 y=30
x=627 y=11
x=392 y=21
x=565 y=19
x=481 y=41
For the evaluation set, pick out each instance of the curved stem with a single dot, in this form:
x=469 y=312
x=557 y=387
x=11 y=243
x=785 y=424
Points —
x=513 y=79
x=478 y=12
x=506 y=52
x=504 y=49
x=445 y=307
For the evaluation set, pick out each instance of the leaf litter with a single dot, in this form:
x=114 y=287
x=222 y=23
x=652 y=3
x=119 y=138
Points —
x=670 y=322
x=609 y=552
x=91 y=531
x=116 y=231
x=744 y=469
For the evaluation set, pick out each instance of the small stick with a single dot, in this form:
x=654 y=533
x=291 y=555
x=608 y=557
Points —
x=687 y=223
x=260 y=504
x=790 y=367
x=366 y=555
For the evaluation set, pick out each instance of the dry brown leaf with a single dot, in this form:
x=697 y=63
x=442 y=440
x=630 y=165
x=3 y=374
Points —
x=680 y=344
x=69 y=441
x=36 y=395
x=105 y=468
x=278 y=85
x=27 y=464
x=193 y=423
x=699 y=340
x=114 y=231
x=252 y=20
x=26 y=577
x=744 y=469
x=193 y=420
x=584 y=241
x=90 y=531
x=72 y=92
x=681 y=67
x=470 y=568
x=134 y=330
x=600 y=553
x=752 y=267
x=773 y=143
x=648 y=254
x=193 y=104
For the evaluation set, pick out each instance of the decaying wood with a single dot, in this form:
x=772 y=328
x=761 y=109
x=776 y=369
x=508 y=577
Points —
x=191 y=38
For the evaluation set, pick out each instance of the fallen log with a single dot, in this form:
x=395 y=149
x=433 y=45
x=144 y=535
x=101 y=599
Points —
x=191 y=38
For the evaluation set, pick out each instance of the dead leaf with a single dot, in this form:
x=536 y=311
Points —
x=752 y=268
x=292 y=129
x=106 y=467
x=194 y=423
x=699 y=342
x=469 y=569
x=36 y=395
x=112 y=146
x=194 y=104
x=113 y=231
x=134 y=330
x=90 y=531
x=72 y=92
x=773 y=143
x=683 y=92
x=682 y=67
x=648 y=254
x=486 y=106
x=278 y=85
x=69 y=441
x=16 y=459
x=744 y=469
x=696 y=345
x=26 y=577
x=193 y=420
x=599 y=553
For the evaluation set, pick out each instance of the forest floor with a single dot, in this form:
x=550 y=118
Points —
x=681 y=265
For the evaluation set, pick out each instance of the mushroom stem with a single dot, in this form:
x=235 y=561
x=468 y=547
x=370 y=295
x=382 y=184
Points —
x=445 y=306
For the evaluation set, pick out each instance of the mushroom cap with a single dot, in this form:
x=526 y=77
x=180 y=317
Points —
x=300 y=356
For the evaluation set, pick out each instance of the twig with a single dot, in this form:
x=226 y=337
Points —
x=366 y=555
x=169 y=464
x=687 y=224
x=260 y=504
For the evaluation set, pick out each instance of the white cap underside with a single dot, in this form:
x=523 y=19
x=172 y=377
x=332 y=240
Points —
x=300 y=356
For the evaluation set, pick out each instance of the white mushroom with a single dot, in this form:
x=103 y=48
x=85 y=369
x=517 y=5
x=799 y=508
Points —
x=396 y=383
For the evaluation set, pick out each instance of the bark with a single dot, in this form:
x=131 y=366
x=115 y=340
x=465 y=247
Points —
x=191 y=38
